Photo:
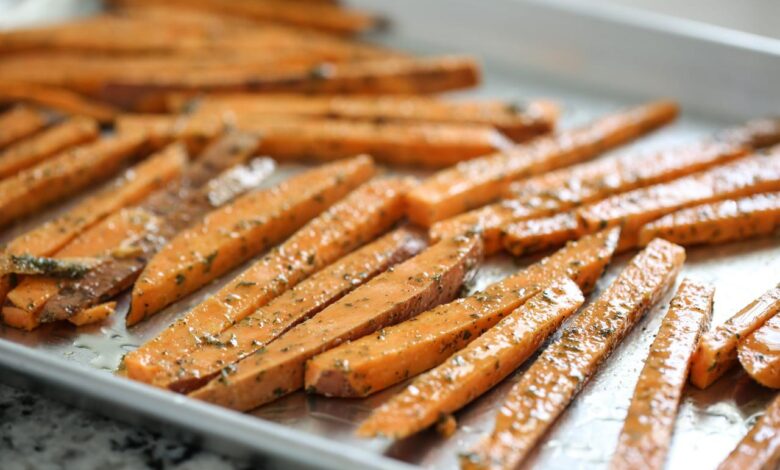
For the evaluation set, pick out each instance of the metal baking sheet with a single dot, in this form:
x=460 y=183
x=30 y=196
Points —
x=77 y=364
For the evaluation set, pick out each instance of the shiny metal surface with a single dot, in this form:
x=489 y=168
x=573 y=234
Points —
x=78 y=363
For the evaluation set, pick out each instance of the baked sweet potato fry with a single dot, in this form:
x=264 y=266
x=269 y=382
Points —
x=131 y=187
x=24 y=302
x=717 y=222
x=94 y=314
x=60 y=99
x=478 y=367
x=360 y=217
x=35 y=149
x=184 y=202
x=20 y=122
x=552 y=381
x=430 y=278
x=238 y=231
x=375 y=77
x=634 y=209
x=759 y=353
x=161 y=129
x=532 y=235
x=717 y=351
x=320 y=16
x=566 y=188
x=298 y=304
x=760 y=448
x=517 y=122
x=478 y=182
x=405 y=350
x=647 y=430
x=65 y=174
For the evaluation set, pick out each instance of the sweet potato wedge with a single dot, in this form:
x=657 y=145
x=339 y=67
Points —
x=361 y=216
x=634 y=209
x=65 y=174
x=759 y=353
x=647 y=430
x=405 y=350
x=478 y=182
x=430 y=278
x=566 y=188
x=20 y=122
x=294 y=306
x=519 y=123
x=717 y=222
x=35 y=149
x=760 y=448
x=476 y=368
x=56 y=98
x=178 y=206
x=320 y=16
x=24 y=302
x=552 y=381
x=532 y=235
x=717 y=351
x=238 y=231
x=375 y=77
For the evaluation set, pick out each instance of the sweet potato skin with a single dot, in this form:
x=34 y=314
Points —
x=476 y=368
x=647 y=431
x=430 y=278
x=405 y=350
x=553 y=380
x=364 y=214
x=759 y=353
x=717 y=351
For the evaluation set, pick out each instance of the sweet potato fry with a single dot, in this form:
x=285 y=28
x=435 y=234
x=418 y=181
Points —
x=549 y=385
x=717 y=222
x=357 y=219
x=532 y=235
x=161 y=129
x=634 y=209
x=375 y=77
x=56 y=98
x=760 y=448
x=93 y=315
x=294 y=306
x=717 y=350
x=430 y=278
x=35 y=149
x=318 y=16
x=566 y=188
x=65 y=174
x=405 y=350
x=478 y=182
x=24 y=302
x=181 y=204
x=476 y=368
x=518 y=123
x=647 y=430
x=20 y=122
x=238 y=231
x=759 y=353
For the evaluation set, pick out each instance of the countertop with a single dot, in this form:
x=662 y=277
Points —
x=37 y=433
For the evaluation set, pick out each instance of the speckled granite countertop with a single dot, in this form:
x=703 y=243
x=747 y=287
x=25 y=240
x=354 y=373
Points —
x=39 y=433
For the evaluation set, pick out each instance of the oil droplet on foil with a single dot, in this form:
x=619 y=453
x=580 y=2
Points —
x=107 y=345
